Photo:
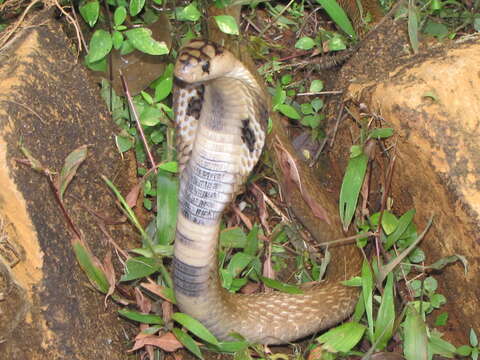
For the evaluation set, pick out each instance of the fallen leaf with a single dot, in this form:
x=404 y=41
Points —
x=143 y=303
x=250 y=288
x=290 y=170
x=70 y=167
x=109 y=271
x=156 y=289
x=262 y=207
x=167 y=342
x=243 y=217
x=132 y=196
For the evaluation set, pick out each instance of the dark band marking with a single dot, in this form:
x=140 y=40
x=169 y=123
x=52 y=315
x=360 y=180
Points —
x=206 y=67
x=180 y=83
x=188 y=279
x=195 y=103
x=248 y=136
x=184 y=240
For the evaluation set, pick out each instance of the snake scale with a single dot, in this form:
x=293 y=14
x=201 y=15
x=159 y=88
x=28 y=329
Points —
x=221 y=113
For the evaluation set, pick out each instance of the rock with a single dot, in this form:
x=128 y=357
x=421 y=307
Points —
x=48 y=309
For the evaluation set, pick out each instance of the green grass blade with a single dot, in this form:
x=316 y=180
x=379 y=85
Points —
x=188 y=342
x=367 y=289
x=167 y=203
x=386 y=316
x=140 y=317
x=94 y=273
x=351 y=186
x=342 y=338
x=195 y=327
x=415 y=342
x=339 y=16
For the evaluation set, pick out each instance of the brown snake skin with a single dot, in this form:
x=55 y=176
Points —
x=221 y=113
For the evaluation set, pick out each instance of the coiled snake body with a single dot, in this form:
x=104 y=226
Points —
x=221 y=114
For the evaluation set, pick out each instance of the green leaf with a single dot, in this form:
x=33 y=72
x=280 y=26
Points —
x=139 y=267
x=90 y=11
x=316 y=103
x=251 y=246
x=351 y=186
x=136 y=6
x=413 y=25
x=286 y=79
x=141 y=39
x=402 y=225
x=195 y=327
x=381 y=133
x=342 y=338
x=119 y=15
x=416 y=256
x=278 y=97
x=151 y=116
x=117 y=39
x=140 y=317
x=336 y=44
x=170 y=166
x=437 y=300
x=305 y=43
x=95 y=274
x=438 y=346
x=464 y=350
x=188 y=13
x=100 y=45
x=167 y=207
x=163 y=88
x=238 y=263
x=307 y=108
x=278 y=285
x=227 y=24
x=473 y=338
x=386 y=316
x=316 y=86
x=440 y=264
x=232 y=346
x=124 y=143
x=70 y=167
x=438 y=30
x=367 y=289
x=288 y=111
x=100 y=65
x=188 y=342
x=312 y=120
x=233 y=238
x=157 y=136
x=441 y=319
x=415 y=338
x=337 y=14
x=430 y=284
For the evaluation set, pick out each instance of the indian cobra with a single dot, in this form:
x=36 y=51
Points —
x=221 y=114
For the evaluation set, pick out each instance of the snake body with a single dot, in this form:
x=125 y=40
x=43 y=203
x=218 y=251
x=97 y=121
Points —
x=221 y=114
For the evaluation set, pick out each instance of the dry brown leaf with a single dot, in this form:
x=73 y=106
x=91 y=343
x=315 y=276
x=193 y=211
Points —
x=132 y=196
x=262 y=207
x=109 y=271
x=291 y=172
x=167 y=311
x=243 y=217
x=250 y=288
x=167 y=342
x=155 y=289
x=143 y=303
x=315 y=354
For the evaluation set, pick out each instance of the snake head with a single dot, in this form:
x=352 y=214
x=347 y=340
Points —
x=202 y=60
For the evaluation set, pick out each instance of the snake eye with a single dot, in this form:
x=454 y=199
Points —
x=206 y=67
